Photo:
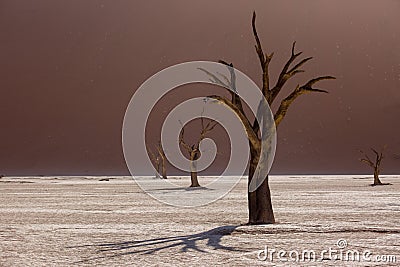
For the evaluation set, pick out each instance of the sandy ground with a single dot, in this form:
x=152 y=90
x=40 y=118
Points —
x=82 y=221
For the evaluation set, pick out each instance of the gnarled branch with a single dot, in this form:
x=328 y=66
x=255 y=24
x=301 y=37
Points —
x=215 y=79
x=287 y=73
x=264 y=59
x=374 y=164
x=367 y=160
x=155 y=159
x=378 y=158
x=182 y=139
x=306 y=88
x=251 y=135
x=205 y=129
x=232 y=82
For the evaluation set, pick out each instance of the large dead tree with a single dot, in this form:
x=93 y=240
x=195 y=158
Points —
x=194 y=149
x=159 y=160
x=374 y=164
x=259 y=201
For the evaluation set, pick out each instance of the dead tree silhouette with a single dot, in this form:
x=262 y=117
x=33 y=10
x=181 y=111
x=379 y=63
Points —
x=193 y=150
x=159 y=160
x=259 y=201
x=376 y=165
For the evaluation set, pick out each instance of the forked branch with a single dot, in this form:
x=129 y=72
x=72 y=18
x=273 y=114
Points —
x=367 y=160
x=251 y=135
x=298 y=91
x=374 y=164
x=288 y=71
x=264 y=59
x=378 y=158
x=159 y=160
x=187 y=147
x=232 y=82
x=205 y=129
x=163 y=157
x=194 y=149
x=155 y=159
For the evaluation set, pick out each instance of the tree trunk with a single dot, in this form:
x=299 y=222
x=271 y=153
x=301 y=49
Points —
x=158 y=170
x=376 y=177
x=193 y=170
x=260 y=205
x=163 y=168
x=193 y=179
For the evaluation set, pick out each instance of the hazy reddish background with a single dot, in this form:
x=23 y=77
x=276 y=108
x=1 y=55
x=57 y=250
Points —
x=69 y=68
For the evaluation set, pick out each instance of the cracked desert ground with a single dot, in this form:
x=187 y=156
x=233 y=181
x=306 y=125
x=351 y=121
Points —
x=82 y=221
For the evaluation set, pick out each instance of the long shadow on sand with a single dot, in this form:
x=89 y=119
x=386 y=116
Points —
x=185 y=243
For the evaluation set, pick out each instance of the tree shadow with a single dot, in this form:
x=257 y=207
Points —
x=185 y=243
x=188 y=188
x=380 y=184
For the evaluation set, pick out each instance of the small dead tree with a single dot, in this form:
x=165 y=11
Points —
x=155 y=159
x=194 y=150
x=259 y=201
x=161 y=153
x=376 y=165
x=159 y=160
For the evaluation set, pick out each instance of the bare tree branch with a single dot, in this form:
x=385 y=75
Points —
x=252 y=136
x=159 y=160
x=163 y=160
x=367 y=160
x=160 y=149
x=306 y=88
x=264 y=59
x=230 y=85
x=226 y=79
x=215 y=79
x=311 y=82
x=260 y=207
x=298 y=65
x=235 y=97
x=153 y=157
x=155 y=160
x=205 y=129
x=182 y=139
x=286 y=74
x=374 y=164
x=378 y=158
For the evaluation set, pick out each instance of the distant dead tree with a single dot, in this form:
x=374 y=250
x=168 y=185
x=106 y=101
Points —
x=194 y=150
x=156 y=160
x=376 y=164
x=259 y=201
x=159 y=160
